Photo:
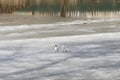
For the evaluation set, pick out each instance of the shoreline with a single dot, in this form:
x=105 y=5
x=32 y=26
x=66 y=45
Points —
x=29 y=27
x=12 y=20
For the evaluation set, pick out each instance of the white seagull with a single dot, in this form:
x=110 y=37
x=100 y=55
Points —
x=56 y=48
x=63 y=48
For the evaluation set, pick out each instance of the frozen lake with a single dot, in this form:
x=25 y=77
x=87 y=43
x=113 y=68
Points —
x=27 y=49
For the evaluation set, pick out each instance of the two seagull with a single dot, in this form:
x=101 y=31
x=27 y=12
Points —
x=63 y=49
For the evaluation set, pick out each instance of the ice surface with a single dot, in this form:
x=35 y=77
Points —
x=27 y=50
x=89 y=57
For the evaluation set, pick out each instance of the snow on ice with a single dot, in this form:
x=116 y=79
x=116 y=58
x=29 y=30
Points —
x=89 y=57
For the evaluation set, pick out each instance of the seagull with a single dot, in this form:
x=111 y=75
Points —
x=56 y=48
x=63 y=49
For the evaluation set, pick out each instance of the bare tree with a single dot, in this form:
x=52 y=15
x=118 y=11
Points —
x=64 y=8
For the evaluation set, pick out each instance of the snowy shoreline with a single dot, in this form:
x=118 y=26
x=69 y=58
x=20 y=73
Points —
x=58 y=28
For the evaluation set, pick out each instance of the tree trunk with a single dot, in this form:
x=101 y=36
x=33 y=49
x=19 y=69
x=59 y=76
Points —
x=64 y=8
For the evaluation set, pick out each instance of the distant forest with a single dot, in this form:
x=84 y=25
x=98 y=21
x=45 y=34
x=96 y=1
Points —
x=62 y=6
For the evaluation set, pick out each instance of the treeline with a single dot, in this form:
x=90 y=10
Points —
x=10 y=6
